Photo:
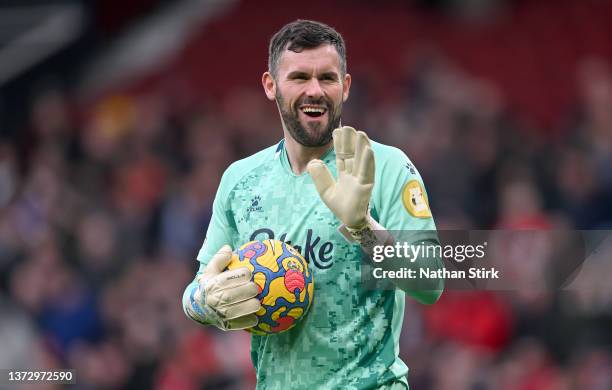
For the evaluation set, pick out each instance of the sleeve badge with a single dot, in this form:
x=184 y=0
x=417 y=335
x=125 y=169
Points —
x=413 y=197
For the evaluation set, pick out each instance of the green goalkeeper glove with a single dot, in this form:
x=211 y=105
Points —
x=225 y=299
x=349 y=197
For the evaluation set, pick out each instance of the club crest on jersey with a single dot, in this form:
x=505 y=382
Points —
x=413 y=198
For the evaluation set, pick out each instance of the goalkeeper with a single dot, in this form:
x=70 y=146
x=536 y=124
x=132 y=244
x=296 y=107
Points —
x=329 y=191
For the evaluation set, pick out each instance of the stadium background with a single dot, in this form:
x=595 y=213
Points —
x=117 y=119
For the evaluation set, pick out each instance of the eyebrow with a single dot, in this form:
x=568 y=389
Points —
x=299 y=73
x=332 y=75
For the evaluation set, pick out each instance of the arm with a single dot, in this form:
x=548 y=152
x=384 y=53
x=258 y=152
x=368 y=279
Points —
x=349 y=199
x=425 y=291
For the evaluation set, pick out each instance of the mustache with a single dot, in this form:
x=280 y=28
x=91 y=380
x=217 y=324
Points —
x=315 y=102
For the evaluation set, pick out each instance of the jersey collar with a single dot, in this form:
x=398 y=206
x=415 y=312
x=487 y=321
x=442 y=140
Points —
x=281 y=154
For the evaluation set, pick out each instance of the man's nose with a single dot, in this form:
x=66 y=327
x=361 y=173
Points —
x=313 y=88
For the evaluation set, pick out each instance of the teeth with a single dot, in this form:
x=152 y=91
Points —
x=313 y=109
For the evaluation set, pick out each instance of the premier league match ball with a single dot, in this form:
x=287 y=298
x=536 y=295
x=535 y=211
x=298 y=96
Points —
x=285 y=283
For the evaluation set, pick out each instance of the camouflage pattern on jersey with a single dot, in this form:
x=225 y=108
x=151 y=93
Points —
x=350 y=337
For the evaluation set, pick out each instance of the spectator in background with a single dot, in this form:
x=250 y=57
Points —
x=21 y=346
x=587 y=186
x=85 y=202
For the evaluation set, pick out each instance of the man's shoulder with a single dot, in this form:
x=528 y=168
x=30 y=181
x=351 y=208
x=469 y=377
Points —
x=387 y=155
x=238 y=169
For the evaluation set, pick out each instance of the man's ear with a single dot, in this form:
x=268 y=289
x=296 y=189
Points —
x=346 y=86
x=269 y=85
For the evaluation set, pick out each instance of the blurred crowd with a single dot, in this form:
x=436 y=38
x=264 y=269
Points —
x=103 y=209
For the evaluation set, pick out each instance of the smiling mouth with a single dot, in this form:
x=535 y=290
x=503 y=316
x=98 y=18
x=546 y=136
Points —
x=313 y=111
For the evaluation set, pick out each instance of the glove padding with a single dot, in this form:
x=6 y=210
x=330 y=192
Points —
x=349 y=197
x=228 y=297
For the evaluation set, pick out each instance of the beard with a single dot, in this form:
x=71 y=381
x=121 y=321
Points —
x=316 y=136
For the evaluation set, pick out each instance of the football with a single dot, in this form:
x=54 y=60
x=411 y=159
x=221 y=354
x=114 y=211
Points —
x=286 y=285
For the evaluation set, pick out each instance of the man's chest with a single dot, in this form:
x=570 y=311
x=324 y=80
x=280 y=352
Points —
x=289 y=211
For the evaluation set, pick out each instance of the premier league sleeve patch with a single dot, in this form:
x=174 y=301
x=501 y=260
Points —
x=414 y=200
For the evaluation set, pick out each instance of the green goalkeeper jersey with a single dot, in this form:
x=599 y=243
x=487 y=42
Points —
x=350 y=337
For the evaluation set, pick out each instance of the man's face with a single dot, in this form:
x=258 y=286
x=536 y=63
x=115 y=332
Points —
x=309 y=90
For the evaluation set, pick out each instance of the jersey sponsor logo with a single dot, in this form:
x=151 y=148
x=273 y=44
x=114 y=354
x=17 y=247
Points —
x=414 y=200
x=313 y=249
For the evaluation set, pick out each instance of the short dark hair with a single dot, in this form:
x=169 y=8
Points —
x=304 y=34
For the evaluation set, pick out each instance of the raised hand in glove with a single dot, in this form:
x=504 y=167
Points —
x=349 y=197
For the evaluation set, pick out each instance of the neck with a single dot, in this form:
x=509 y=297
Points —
x=300 y=155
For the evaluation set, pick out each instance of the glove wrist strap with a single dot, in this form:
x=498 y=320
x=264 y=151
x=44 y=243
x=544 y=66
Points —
x=200 y=312
x=368 y=236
